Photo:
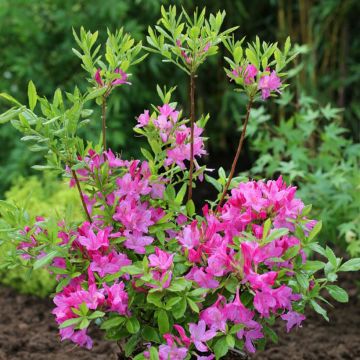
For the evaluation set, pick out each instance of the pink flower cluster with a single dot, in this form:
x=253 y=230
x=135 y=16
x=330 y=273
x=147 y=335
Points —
x=121 y=78
x=267 y=83
x=210 y=246
x=175 y=136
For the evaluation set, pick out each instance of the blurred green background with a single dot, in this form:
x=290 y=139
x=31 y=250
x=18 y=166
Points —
x=310 y=134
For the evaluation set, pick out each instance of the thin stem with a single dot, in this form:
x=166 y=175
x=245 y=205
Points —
x=103 y=118
x=192 y=124
x=238 y=151
x=81 y=195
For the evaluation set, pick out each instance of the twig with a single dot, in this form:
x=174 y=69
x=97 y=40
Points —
x=81 y=195
x=238 y=151
x=192 y=124
x=103 y=118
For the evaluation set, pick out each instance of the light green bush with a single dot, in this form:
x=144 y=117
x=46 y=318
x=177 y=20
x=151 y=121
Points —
x=38 y=197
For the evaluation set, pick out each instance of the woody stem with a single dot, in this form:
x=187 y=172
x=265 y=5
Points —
x=81 y=195
x=238 y=151
x=192 y=125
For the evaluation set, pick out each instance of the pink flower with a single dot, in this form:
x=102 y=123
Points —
x=293 y=319
x=97 y=77
x=214 y=316
x=143 y=119
x=117 y=298
x=79 y=337
x=93 y=242
x=250 y=335
x=122 y=79
x=262 y=281
x=199 y=335
x=161 y=259
x=190 y=236
x=264 y=302
x=237 y=312
x=249 y=74
x=269 y=83
x=173 y=352
x=205 y=280
x=137 y=242
x=109 y=264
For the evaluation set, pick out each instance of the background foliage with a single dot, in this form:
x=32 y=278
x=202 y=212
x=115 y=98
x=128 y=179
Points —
x=312 y=142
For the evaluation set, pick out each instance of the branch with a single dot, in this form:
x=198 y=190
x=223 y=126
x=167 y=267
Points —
x=81 y=195
x=192 y=124
x=238 y=151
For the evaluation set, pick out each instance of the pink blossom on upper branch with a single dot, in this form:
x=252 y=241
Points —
x=268 y=83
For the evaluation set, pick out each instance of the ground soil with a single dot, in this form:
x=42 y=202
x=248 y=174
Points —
x=28 y=332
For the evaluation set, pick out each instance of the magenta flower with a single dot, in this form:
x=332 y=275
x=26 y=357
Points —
x=122 y=79
x=117 y=298
x=173 y=352
x=250 y=335
x=98 y=78
x=269 y=83
x=293 y=319
x=199 y=335
x=143 y=119
x=189 y=238
x=79 y=337
x=250 y=73
x=94 y=242
x=214 y=317
x=161 y=259
x=109 y=264
x=205 y=280
x=137 y=242
x=264 y=302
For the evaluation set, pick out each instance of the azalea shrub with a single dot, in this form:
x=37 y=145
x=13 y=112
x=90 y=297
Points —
x=164 y=278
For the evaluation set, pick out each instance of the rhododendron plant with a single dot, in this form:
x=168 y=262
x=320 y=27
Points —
x=162 y=278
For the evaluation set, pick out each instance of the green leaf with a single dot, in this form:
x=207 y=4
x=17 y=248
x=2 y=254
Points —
x=132 y=325
x=315 y=230
x=270 y=333
x=96 y=314
x=155 y=298
x=45 y=259
x=221 y=347
x=193 y=305
x=70 y=322
x=112 y=322
x=150 y=334
x=291 y=252
x=163 y=322
x=331 y=257
x=230 y=341
x=190 y=208
x=213 y=182
x=95 y=94
x=320 y=310
x=32 y=95
x=84 y=323
x=9 y=98
x=154 y=355
x=267 y=226
x=351 y=265
x=180 y=195
x=314 y=265
x=302 y=280
x=275 y=234
x=130 y=345
x=338 y=293
x=179 y=309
